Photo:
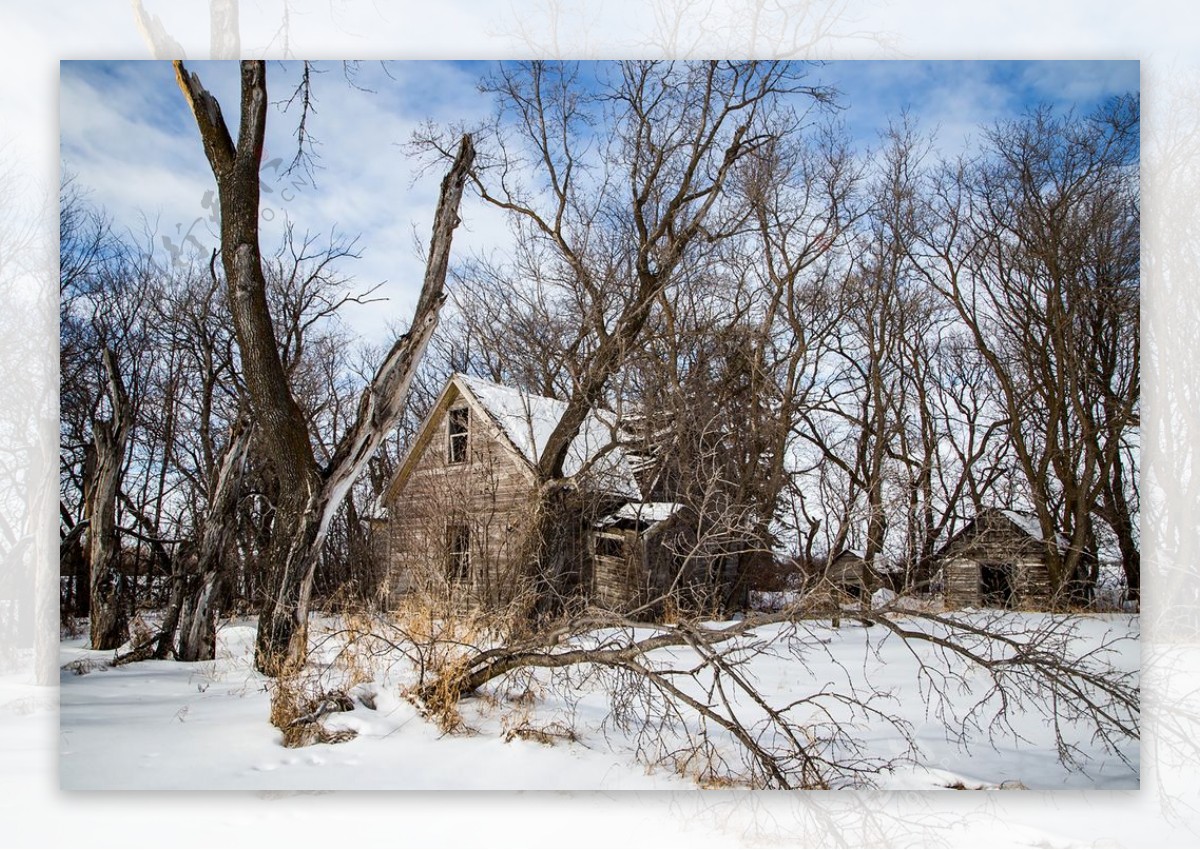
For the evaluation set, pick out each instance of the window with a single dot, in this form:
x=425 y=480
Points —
x=459 y=420
x=458 y=552
x=610 y=546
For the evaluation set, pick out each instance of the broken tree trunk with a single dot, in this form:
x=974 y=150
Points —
x=109 y=620
x=283 y=634
x=310 y=495
x=197 y=613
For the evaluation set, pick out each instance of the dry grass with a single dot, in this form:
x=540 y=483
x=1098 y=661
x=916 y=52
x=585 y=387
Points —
x=704 y=765
x=443 y=637
x=298 y=704
x=549 y=735
x=351 y=653
x=292 y=696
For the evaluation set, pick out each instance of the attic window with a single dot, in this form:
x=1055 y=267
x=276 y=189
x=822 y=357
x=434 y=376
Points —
x=458 y=552
x=457 y=448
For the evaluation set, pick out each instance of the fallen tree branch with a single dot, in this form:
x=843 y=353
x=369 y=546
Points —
x=806 y=741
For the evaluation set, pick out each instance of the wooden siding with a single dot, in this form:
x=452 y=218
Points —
x=616 y=579
x=494 y=494
x=846 y=573
x=491 y=493
x=992 y=541
x=651 y=570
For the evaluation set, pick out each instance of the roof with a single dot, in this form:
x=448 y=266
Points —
x=848 y=553
x=1024 y=521
x=1029 y=524
x=650 y=513
x=528 y=421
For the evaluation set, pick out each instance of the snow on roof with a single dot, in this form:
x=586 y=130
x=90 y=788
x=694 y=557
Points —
x=1028 y=523
x=651 y=513
x=529 y=420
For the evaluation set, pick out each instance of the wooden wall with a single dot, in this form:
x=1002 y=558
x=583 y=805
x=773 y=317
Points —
x=491 y=493
x=991 y=539
x=616 y=580
x=846 y=572
x=494 y=494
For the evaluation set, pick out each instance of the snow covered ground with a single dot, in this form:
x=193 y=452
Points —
x=167 y=725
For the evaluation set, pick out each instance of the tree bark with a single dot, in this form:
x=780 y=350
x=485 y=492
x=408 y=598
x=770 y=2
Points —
x=283 y=634
x=196 y=610
x=1120 y=518
x=109 y=620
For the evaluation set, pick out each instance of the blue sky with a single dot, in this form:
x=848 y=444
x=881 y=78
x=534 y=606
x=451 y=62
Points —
x=129 y=141
x=954 y=98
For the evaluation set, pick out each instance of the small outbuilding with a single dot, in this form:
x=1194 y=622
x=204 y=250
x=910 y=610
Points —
x=849 y=572
x=998 y=560
x=629 y=562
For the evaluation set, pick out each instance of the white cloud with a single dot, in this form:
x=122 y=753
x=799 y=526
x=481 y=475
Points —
x=1081 y=81
x=123 y=138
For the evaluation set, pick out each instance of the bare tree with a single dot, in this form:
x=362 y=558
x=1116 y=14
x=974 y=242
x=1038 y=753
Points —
x=1035 y=247
x=108 y=427
x=770 y=309
x=309 y=494
x=202 y=574
x=692 y=260
x=611 y=219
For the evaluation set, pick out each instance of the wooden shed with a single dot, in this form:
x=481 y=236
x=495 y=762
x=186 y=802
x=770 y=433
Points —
x=628 y=554
x=645 y=553
x=849 y=572
x=998 y=560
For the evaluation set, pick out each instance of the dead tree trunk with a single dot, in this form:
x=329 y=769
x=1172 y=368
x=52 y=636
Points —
x=310 y=495
x=193 y=611
x=109 y=621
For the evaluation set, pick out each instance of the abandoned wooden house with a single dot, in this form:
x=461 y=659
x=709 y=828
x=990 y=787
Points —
x=998 y=560
x=457 y=517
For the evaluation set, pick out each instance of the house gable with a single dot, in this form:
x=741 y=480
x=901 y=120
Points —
x=528 y=421
x=992 y=525
x=482 y=427
x=457 y=514
x=459 y=521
